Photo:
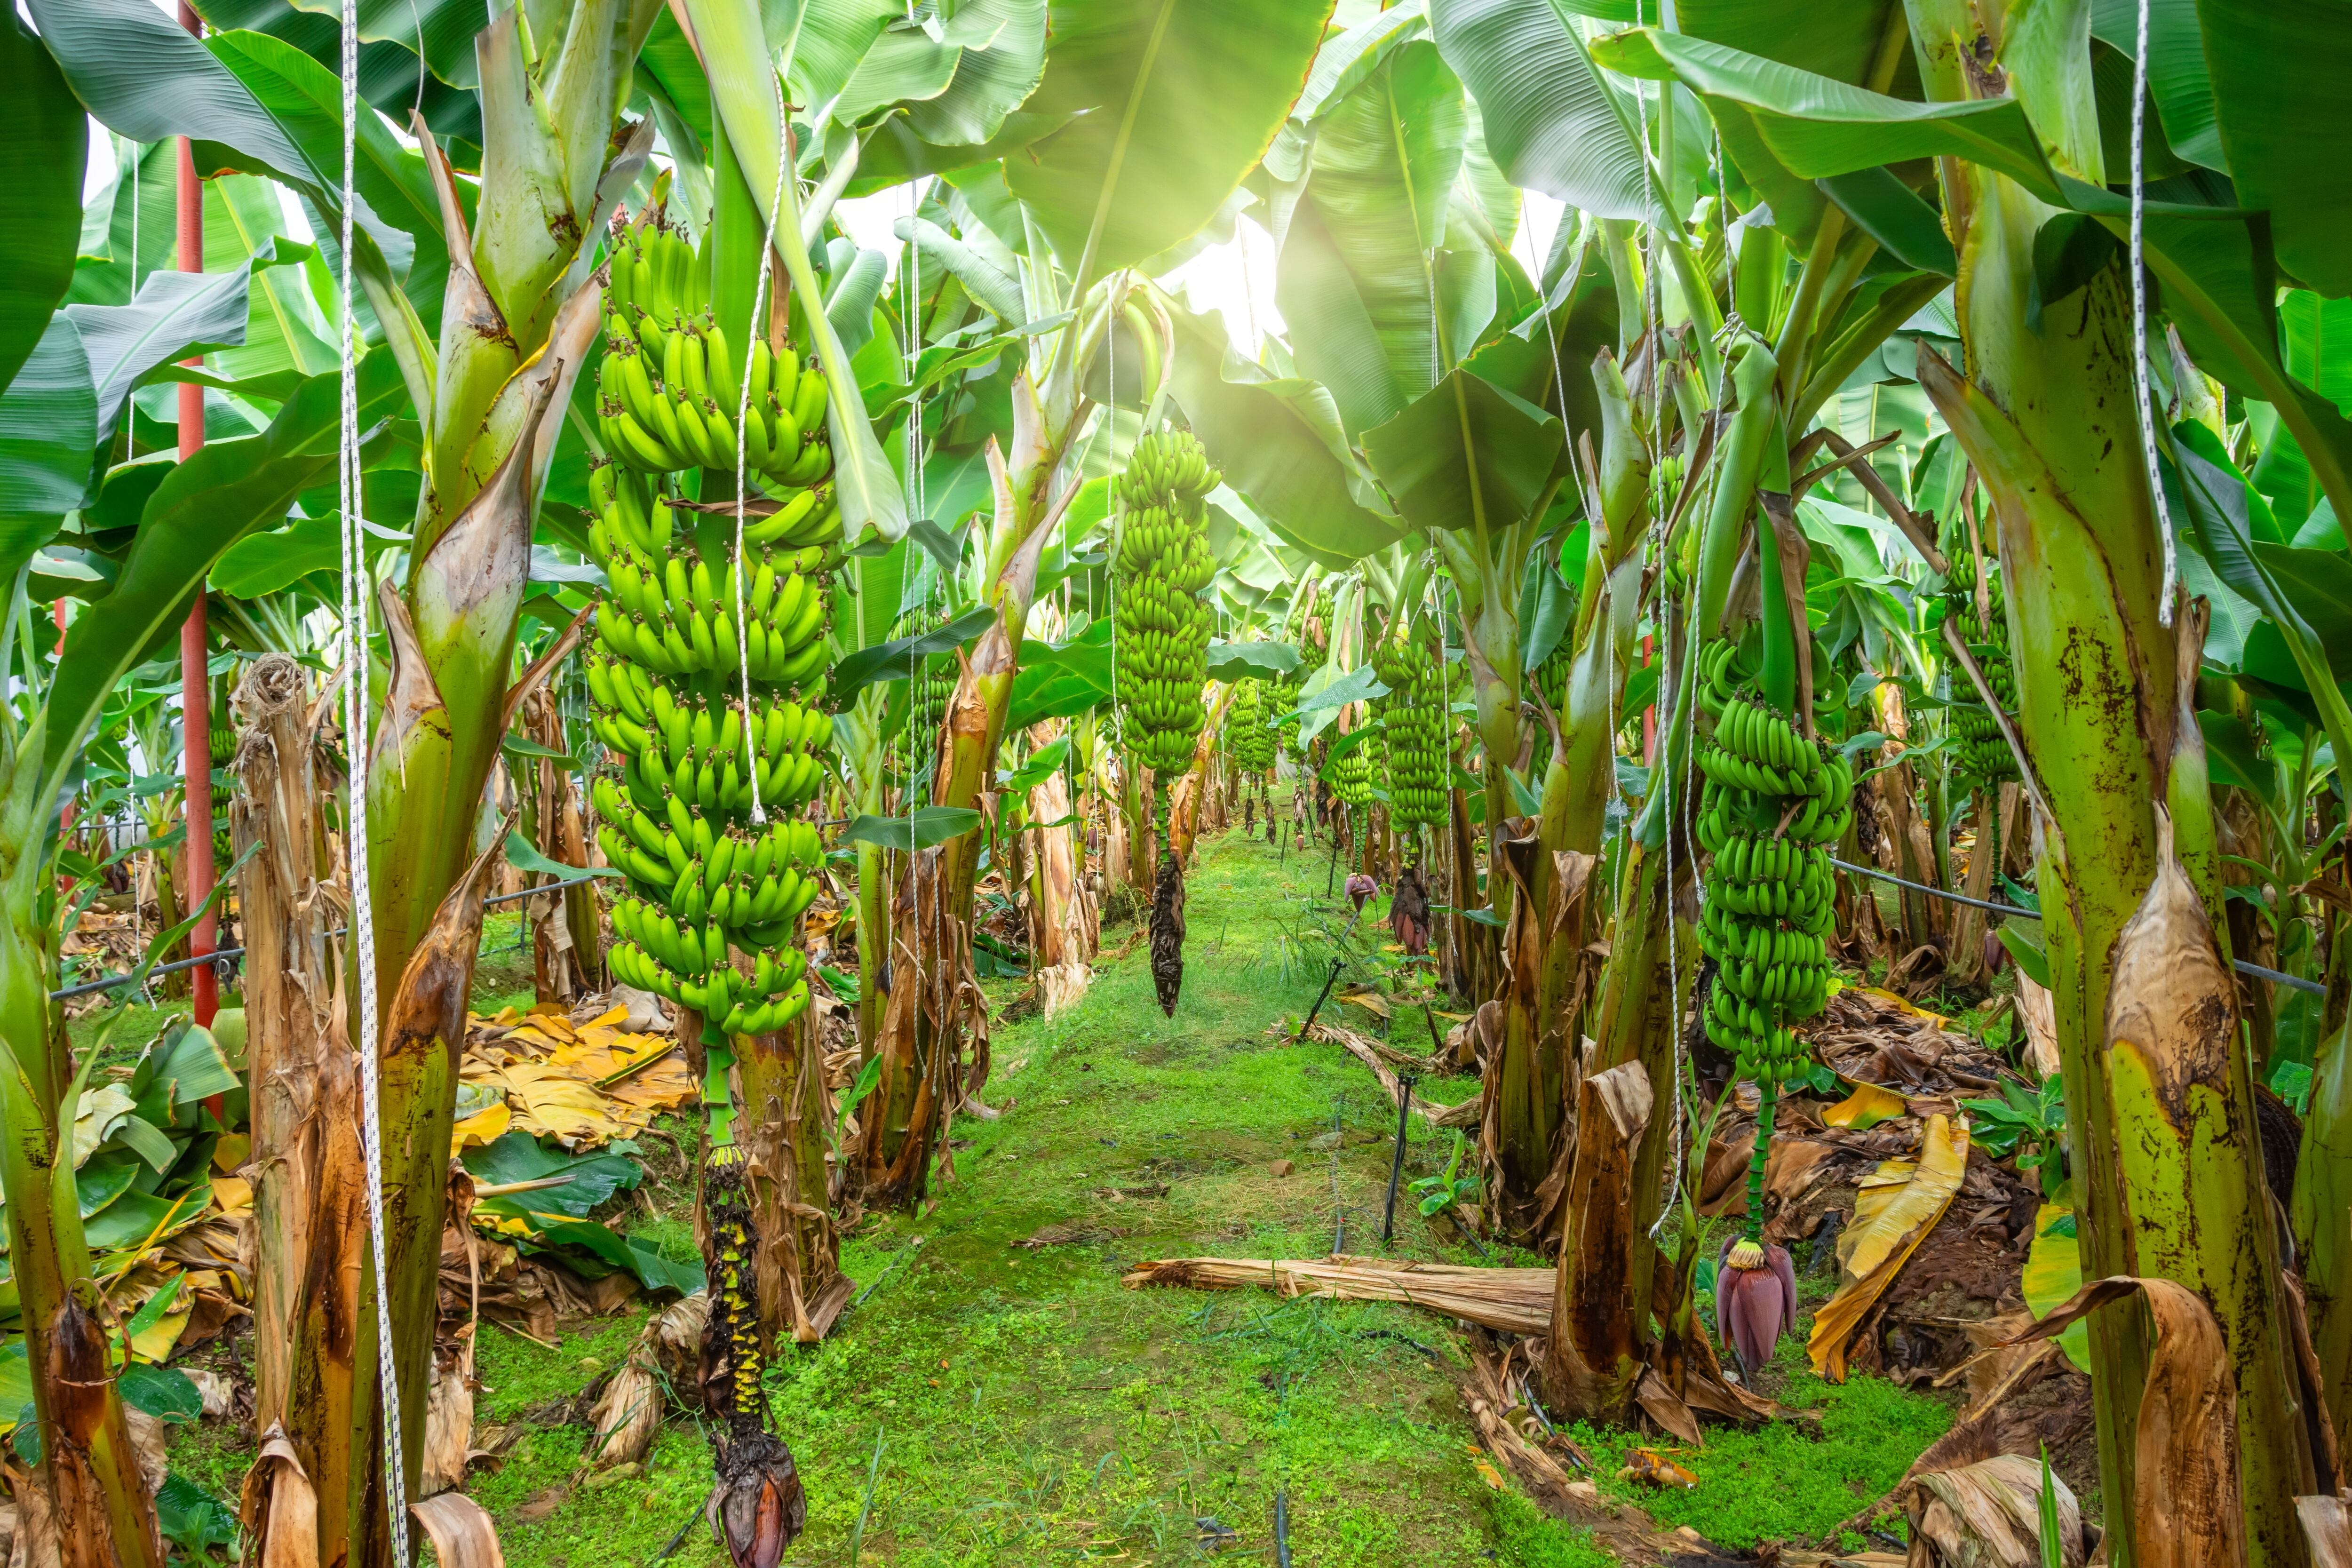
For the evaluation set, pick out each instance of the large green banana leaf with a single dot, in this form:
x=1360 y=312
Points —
x=2279 y=69
x=226 y=492
x=41 y=162
x=2211 y=262
x=1175 y=100
x=1279 y=443
x=1359 y=285
x=1464 y=453
x=1552 y=121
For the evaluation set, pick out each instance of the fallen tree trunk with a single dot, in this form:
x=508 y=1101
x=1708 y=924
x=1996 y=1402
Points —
x=1512 y=1300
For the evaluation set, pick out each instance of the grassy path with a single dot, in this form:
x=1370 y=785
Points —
x=997 y=1404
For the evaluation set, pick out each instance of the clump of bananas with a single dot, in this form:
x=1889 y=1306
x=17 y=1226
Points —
x=1161 y=636
x=1249 y=737
x=1984 y=750
x=1163 y=624
x=1351 y=780
x=706 y=882
x=1772 y=803
x=667 y=395
x=222 y=746
x=1412 y=727
x=669 y=613
x=1550 y=677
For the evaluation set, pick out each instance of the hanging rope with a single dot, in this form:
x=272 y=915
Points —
x=751 y=335
x=355 y=595
x=1653 y=312
x=131 y=405
x=2139 y=324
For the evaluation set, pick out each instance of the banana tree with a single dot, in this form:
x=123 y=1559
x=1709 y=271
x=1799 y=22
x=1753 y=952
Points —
x=2044 y=408
x=199 y=509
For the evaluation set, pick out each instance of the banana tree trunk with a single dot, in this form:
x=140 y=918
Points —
x=924 y=1027
x=1531 y=1082
x=2046 y=416
x=801 y=1288
x=1067 y=928
x=95 y=1497
x=309 y=1192
x=95 y=1500
x=519 y=315
x=1599 y=1329
x=565 y=930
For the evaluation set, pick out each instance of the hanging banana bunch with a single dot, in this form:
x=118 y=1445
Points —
x=1984 y=750
x=223 y=748
x=704 y=879
x=668 y=394
x=1351 y=780
x=1162 y=630
x=1772 y=803
x=1252 y=740
x=704 y=671
x=1412 y=728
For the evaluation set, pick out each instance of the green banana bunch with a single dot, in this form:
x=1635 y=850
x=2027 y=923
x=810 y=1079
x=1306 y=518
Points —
x=1252 y=741
x=669 y=613
x=706 y=884
x=1413 y=726
x=1162 y=624
x=1352 y=779
x=1552 y=676
x=931 y=694
x=1984 y=750
x=667 y=395
x=221 y=743
x=1772 y=805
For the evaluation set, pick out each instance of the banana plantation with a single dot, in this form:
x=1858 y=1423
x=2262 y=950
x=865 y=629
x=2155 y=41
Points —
x=1018 y=782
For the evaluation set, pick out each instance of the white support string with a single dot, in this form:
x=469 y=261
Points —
x=752 y=338
x=355 y=595
x=2146 y=418
x=131 y=405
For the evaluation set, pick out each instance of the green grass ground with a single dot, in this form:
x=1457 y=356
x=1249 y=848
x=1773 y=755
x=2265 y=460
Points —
x=993 y=1404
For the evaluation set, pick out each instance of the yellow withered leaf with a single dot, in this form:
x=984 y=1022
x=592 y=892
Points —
x=157 y=1341
x=1904 y=1005
x=234 y=1194
x=484 y=1126
x=549 y=1102
x=232 y=1151
x=612 y=1018
x=1865 y=1108
x=1889 y=1223
x=665 y=1086
x=2053 y=1272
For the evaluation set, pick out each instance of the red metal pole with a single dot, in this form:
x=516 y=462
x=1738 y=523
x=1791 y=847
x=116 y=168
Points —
x=195 y=677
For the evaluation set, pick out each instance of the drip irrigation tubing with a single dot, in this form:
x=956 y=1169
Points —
x=222 y=955
x=2274 y=976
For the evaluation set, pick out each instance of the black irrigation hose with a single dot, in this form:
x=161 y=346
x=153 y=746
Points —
x=225 y=954
x=2257 y=970
x=1406 y=1083
x=1329 y=981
